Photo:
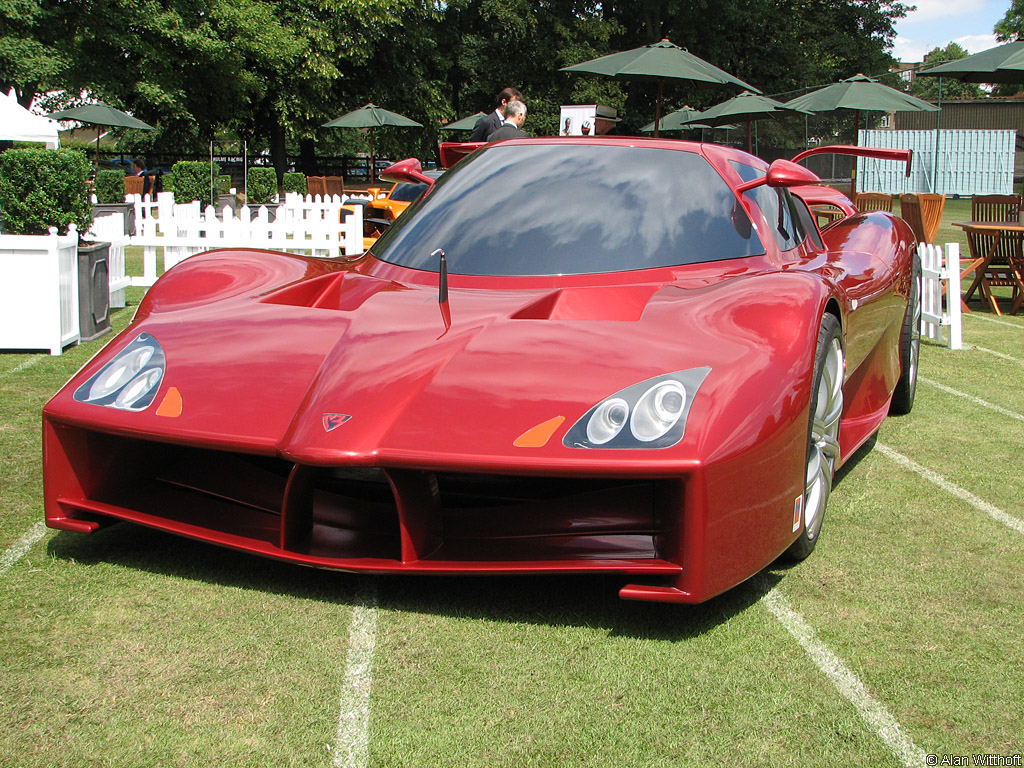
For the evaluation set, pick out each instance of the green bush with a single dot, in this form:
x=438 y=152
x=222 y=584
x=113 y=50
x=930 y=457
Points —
x=192 y=181
x=223 y=184
x=110 y=186
x=262 y=185
x=294 y=182
x=43 y=188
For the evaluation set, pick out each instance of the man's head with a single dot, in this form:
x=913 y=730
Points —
x=516 y=112
x=605 y=119
x=507 y=95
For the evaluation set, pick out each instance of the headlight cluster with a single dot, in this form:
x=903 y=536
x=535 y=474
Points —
x=130 y=381
x=651 y=414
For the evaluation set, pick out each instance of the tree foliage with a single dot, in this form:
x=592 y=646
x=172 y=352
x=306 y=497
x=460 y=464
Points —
x=272 y=72
x=946 y=88
x=1011 y=26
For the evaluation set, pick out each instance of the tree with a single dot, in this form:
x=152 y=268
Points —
x=928 y=88
x=1011 y=26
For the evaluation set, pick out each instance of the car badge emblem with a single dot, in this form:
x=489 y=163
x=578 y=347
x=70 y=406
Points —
x=334 y=420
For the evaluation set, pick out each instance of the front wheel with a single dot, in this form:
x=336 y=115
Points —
x=910 y=346
x=822 y=435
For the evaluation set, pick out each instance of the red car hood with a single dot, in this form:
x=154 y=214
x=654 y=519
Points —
x=338 y=366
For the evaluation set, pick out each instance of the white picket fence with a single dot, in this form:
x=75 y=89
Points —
x=110 y=229
x=301 y=224
x=940 y=293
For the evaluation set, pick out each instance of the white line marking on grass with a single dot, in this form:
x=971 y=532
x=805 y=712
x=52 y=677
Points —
x=1001 y=355
x=872 y=711
x=974 y=316
x=979 y=504
x=20 y=548
x=19 y=368
x=352 y=741
x=971 y=398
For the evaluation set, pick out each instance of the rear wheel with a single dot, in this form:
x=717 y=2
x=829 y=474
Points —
x=822 y=435
x=910 y=347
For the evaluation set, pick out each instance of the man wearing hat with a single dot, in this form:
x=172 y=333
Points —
x=606 y=120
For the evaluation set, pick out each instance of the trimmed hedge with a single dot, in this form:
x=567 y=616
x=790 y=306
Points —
x=192 y=181
x=262 y=185
x=110 y=186
x=43 y=188
x=294 y=182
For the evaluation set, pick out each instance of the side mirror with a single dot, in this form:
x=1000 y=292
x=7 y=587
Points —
x=408 y=171
x=783 y=173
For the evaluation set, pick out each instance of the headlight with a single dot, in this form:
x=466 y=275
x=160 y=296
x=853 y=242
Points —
x=658 y=410
x=130 y=380
x=607 y=421
x=654 y=410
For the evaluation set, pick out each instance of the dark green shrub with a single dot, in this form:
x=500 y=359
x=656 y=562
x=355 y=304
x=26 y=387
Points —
x=192 y=181
x=294 y=182
x=262 y=185
x=110 y=186
x=43 y=188
x=223 y=184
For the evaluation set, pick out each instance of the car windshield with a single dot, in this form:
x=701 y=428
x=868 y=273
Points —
x=570 y=209
x=407 y=193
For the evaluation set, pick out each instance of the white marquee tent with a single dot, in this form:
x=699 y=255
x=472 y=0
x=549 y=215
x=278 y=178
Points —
x=18 y=124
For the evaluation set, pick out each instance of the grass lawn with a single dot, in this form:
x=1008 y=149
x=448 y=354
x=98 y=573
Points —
x=134 y=648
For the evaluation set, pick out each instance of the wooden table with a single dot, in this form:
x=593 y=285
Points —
x=993 y=262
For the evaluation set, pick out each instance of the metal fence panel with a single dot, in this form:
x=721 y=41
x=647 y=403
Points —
x=970 y=162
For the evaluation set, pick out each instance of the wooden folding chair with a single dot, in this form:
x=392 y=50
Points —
x=995 y=208
x=1005 y=267
x=334 y=185
x=910 y=212
x=873 y=201
x=932 y=207
x=315 y=186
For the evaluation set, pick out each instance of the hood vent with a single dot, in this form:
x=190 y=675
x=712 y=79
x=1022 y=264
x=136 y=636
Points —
x=621 y=303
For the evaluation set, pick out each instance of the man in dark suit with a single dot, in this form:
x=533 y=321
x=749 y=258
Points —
x=515 y=116
x=488 y=124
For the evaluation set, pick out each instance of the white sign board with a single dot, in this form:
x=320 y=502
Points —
x=577 y=120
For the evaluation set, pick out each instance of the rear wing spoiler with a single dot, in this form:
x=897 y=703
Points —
x=453 y=151
x=878 y=153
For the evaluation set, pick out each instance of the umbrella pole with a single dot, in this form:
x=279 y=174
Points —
x=373 y=160
x=750 y=138
x=856 y=141
x=99 y=130
x=657 y=108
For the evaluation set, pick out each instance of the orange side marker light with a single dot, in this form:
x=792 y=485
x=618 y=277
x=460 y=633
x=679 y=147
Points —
x=537 y=437
x=170 y=406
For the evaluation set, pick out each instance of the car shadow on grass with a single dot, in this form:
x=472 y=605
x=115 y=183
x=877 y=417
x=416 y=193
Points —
x=553 y=600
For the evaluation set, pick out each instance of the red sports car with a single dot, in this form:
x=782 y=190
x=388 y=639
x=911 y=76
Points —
x=583 y=355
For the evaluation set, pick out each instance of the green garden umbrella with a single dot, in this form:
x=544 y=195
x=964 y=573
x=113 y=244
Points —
x=369 y=117
x=100 y=114
x=1002 y=64
x=681 y=119
x=749 y=107
x=659 y=62
x=465 y=124
x=859 y=93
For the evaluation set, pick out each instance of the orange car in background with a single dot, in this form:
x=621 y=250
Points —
x=381 y=211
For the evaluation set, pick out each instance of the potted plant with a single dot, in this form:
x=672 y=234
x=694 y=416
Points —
x=109 y=192
x=45 y=200
x=192 y=181
x=262 y=188
x=294 y=182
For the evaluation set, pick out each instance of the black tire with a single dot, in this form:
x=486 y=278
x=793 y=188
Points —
x=822 y=435
x=910 y=347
